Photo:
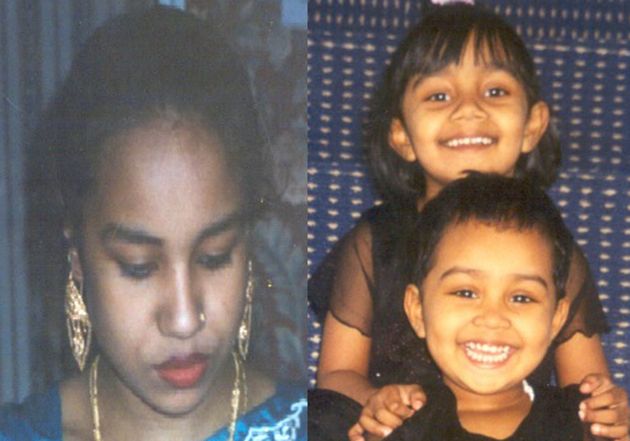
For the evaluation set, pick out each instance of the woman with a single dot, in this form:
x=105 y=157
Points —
x=162 y=174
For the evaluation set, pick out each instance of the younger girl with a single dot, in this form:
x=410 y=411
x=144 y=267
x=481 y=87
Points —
x=455 y=98
x=491 y=256
x=491 y=267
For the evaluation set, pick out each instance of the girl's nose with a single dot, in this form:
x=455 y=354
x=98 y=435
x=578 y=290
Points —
x=491 y=317
x=181 y=314
x=469 y=108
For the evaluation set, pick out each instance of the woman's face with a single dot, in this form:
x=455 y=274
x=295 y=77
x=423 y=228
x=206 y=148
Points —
x=163 y=246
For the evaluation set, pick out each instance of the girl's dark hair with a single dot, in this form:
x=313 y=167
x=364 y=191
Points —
x=439 y=40
x=146 y=65
x=506 y=203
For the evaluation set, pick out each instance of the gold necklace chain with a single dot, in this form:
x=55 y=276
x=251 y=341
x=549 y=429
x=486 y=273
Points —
x=236 y=400
x=96 y=419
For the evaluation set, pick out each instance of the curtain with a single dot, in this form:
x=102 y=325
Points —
x=37 y=40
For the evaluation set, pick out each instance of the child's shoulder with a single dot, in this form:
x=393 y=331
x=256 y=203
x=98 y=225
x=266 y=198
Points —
x=554 y=414
x=553 y=417
x=568 y=397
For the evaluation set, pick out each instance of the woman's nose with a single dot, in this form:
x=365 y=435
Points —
x=181 y=314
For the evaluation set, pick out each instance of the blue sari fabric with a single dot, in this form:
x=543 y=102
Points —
x=281 y=418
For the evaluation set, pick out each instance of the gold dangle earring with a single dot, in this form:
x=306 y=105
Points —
x=78 y=322
x=246 y=322
x=239 y=354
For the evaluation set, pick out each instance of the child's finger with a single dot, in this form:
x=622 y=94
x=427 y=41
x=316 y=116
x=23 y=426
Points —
x=414 y=397
x=601 y=417
x=407 y=391
x=372 y=426
x=400 y=410
x=356 y=433
x=387 y=418
x=613 y=432
x=595 y=383
x=418 y=398
x=613 y=397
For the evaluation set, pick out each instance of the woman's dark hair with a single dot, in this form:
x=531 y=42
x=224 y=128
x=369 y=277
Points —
x=498 y=201
x=439 y=40
x=147 y=65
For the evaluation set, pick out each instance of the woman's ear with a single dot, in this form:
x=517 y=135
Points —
x=73 y=256
x=399 y=141
x=535 y=127
x=413 y=309
x=559 y=316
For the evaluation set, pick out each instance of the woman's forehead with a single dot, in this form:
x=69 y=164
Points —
x=164 y=160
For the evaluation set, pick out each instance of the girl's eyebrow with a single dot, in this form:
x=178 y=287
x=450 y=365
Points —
x=475 y=273
x=418 y=79
x=137 y=236
x=459 y=270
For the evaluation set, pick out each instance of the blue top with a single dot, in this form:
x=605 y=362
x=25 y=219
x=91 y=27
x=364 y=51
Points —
x=281 y=418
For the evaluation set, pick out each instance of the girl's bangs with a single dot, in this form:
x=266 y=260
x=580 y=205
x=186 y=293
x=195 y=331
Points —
x=490 y=46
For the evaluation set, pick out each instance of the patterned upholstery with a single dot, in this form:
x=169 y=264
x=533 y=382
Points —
x=598 y=19
x=583 y=56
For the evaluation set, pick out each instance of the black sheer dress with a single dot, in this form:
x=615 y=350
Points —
x=552 y=417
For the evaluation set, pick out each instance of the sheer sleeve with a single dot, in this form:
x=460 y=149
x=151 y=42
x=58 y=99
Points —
x=343 y=284
x=586 y=314
x=351 y=299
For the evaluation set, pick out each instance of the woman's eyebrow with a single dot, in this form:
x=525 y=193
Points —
x=123 y=233
x=138 y=236
x=228 y=222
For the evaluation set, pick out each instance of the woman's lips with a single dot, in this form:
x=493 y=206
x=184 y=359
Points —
x=183 y=372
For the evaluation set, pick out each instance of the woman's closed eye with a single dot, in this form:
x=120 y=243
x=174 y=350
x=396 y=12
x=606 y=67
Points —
x=141 y=271
x=137 y=271
x=215 y=261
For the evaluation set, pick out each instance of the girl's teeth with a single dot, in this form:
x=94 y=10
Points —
x=486 y=353
x=469 y=141
x=487 y=359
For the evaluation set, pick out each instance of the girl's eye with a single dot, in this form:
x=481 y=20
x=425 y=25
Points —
x=137 y=270
x=522 y=298
x=214 y=261
x=465 y=293
x=440 y=97
x=495 y=92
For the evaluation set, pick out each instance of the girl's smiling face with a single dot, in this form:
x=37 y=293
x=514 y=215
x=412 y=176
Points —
x=468 y=116
x=163 y=242
x=487 y=307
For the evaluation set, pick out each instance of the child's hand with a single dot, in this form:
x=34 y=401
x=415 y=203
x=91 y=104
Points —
x=385 y=410
x=606 y=409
